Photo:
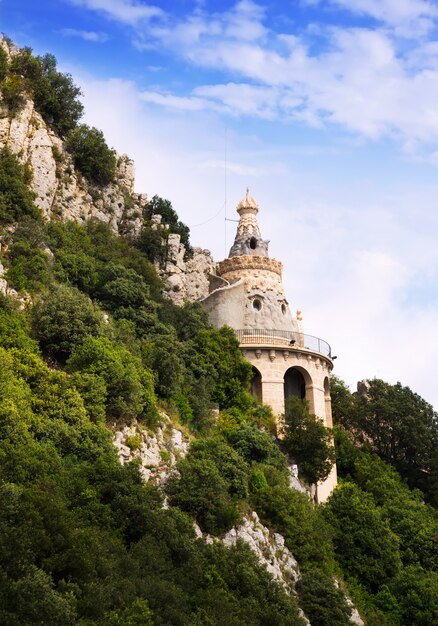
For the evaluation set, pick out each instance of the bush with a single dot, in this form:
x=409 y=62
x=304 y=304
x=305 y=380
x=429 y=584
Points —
x=29 y=267
x=129 y=386
x=322 y=602
x=365 y=546
x=308 y=441
x=16 y=200
x=293 y=515
x=3 y=64
x=14 y=93
x=14 y=327
x=63 y=319
x=91 y=155
x=55 y=95
x=203 y=492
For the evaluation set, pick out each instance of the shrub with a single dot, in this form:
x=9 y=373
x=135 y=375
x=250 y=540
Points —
x=29 y=267
x=55 y=95
x=63 y=319
x=203 y=492
x=129 y=386
x=16 y=200
x=3 y=64
x=91 y=154
x=308 y=441
x=14 y=93
x=322 y=602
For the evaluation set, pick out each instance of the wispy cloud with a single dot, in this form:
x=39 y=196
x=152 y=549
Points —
x=409 y=18
x=86 y=35
x=125 y=11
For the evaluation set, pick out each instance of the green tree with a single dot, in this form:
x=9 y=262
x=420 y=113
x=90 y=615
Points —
x=129 y=386
x=322 y=602
x=291 y=513
x=396 y=423
x=203 y=492
x=55 y=95
x=308 y=441
x=91 y=154
x=215 y=354
x=29 y=267
x=63 y=319
x=14 y=93
x=160 y=206
x=257 y=446
x=402 y=428
x=16 y=200
x=121 y=288
x=365 y=546
x=416 y=592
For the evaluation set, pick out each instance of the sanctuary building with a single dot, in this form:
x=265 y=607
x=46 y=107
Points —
x=247 y=294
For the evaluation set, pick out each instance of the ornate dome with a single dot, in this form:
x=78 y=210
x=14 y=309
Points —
x=247 y=202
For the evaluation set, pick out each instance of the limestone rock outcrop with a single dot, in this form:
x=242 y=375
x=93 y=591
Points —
x=60 y=190
x=157 y=453
x=185 y=279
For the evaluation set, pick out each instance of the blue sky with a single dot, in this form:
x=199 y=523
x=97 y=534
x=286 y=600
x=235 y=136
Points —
x=326 y=109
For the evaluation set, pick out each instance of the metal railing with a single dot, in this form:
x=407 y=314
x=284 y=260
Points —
x=261 y=336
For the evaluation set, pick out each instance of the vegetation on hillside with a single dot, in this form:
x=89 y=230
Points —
x=84 y=541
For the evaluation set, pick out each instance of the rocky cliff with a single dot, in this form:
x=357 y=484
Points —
x=61 y=192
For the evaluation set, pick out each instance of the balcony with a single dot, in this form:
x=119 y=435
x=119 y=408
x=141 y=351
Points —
x=283 y=338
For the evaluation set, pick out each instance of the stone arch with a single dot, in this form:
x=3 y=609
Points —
x=256 y=384
x=296 y=382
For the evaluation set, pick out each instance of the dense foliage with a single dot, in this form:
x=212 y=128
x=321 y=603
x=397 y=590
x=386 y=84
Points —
x=16 y=200
x=398 y=425
x=84 y=541
x=91 y=155
x=307 y=441
x=384 y=535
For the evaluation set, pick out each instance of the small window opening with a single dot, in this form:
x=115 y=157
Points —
x=257 y=304
x=253 y=243
x=283 y=309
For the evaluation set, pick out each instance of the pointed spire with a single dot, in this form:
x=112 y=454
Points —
x=248 y=239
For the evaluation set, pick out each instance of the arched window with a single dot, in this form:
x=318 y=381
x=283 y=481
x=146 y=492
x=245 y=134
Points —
x=256 y=384
x=253 y=243
x=294 y=384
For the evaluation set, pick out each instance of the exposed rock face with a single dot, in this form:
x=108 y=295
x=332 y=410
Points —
x=186 y=280
x=158 y=453
x=59 y=190
x=363 y=388
x=268 y=546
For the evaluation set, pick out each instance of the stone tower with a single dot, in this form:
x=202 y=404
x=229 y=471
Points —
x=247 y=294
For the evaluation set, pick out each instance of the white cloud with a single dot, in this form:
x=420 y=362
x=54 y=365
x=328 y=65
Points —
x=125 y=11
x=407 y=17
x=86 y=35
x=176 y=102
